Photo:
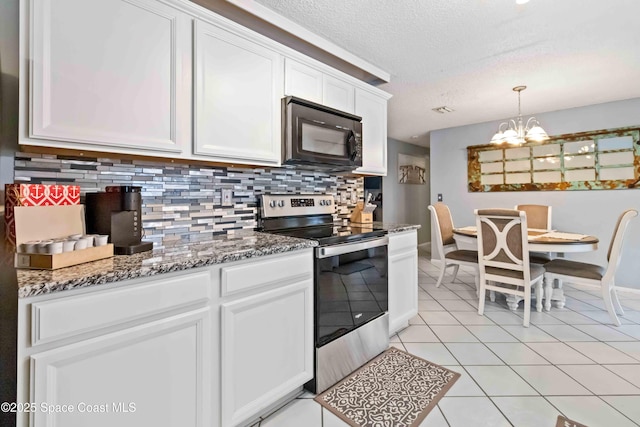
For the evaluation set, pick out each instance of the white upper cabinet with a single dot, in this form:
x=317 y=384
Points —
x=312 y=84
x=110 y=73
x=373 y=110
x=172 y=79
x=302 y=81
x=237 y=90
x=338 y=94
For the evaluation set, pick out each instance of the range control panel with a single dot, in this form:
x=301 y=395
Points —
x=296 y=203
x=276 y=205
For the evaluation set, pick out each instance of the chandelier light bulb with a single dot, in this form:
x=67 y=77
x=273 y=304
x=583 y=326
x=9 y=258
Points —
x=515 y=132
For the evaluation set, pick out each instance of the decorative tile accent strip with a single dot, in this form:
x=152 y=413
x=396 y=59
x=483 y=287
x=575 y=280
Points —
x=183 y=202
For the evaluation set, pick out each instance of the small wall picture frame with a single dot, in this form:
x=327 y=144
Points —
x=412 y=169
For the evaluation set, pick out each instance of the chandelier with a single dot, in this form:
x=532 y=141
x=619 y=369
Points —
x=515 y=132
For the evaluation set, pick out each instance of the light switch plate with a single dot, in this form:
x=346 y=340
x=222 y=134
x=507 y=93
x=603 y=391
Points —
x=227 y=194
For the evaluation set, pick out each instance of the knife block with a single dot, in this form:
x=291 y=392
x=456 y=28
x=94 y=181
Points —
x=362 y=214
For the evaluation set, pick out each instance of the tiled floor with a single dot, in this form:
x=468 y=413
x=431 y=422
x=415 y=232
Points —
x=570 y=361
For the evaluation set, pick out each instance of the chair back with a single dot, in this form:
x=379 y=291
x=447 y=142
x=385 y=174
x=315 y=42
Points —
x=615 y=247
x=503 y=244
x=538 y=216
x=443 y=226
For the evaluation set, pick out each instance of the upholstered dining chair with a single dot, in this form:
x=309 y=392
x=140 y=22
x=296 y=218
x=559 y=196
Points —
x=591 y=274
x=503 y=258
x=450 y=255
x=538 y=216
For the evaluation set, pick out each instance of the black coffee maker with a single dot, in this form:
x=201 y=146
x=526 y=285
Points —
x=118 y=213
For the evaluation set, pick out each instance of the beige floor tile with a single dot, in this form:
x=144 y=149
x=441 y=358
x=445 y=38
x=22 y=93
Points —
x=548 y=380
x=517 y=354
x=500 y=381
x=472 y=412
x=600 y=380
x=527 y=411
x=590 y=410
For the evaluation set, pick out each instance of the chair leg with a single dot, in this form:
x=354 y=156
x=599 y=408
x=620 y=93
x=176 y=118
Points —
x=442 y=271
x=527 y=313
x=481 y=296
x=561 y=301
x=539 y=296
x=455 y=272
x=608 y=303
x=477 y=283
x=616 y=301
x=548 y=292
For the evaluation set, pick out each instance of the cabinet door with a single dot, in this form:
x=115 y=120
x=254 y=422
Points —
x=156 y=374
x=267 y=349
x=373 y=110
x=403 y=279
x=302 y=81
x=338 y=94
x=237 y=90
x=110 y=73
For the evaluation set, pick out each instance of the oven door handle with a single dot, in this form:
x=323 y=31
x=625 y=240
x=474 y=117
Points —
x=346 y=248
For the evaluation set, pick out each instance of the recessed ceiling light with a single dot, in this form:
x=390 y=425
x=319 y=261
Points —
x=522 y=1
x=443 y=109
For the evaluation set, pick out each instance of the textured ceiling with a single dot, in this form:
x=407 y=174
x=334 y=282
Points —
x=468 y=54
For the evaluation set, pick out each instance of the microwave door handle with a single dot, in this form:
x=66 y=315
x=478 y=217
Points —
x=351 y=146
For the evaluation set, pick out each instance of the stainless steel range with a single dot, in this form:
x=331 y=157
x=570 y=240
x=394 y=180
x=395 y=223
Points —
x=351 y=287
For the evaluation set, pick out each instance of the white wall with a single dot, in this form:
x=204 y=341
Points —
x=405 y=203
x=591 y=211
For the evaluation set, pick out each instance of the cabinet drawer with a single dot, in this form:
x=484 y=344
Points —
x=245 y=276
x=66 y=317
x=403 y=241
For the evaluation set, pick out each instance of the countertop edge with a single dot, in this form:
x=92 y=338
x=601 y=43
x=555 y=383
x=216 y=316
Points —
x=45 y=283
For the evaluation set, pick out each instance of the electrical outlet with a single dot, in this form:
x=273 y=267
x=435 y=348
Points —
x=439 y=197
x=227 y=194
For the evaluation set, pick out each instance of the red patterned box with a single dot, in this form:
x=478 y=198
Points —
x=36 y=195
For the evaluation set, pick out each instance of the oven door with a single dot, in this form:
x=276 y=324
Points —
x=317 y=135
x=351 y=287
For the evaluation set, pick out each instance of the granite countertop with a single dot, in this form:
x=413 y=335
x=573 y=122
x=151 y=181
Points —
x=176 y=257
x=396 y=228
x=172 y=257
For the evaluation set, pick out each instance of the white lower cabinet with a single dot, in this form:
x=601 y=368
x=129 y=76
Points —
x=137 y=353
x=156 y=375
x=403 y=279
x=209 y=347
x=267 y=343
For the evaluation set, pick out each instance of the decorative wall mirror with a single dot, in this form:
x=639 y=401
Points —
x=599 y=160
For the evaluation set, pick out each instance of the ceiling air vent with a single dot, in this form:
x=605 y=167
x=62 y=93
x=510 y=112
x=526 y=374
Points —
x=442 y=110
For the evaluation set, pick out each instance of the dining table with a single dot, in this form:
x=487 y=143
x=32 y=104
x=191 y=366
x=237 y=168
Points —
x=554 y=242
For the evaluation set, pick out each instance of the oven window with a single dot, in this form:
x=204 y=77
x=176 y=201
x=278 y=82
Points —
x=352 y=289
x=318 y=139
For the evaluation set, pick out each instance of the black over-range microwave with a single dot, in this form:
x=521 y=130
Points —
x=319 y=137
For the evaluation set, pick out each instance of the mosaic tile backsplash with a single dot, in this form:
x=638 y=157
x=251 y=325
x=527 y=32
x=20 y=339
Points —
x=183 y=202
